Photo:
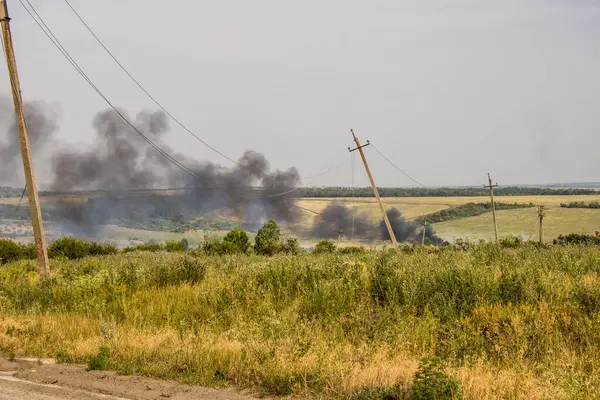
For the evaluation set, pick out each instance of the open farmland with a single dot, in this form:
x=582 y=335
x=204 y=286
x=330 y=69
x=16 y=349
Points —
x=510 y=222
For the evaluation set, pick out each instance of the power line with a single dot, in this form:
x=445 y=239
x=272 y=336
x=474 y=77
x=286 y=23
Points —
x=139 y=85
x=398 y=168
x=48 y=32
x=56 y=42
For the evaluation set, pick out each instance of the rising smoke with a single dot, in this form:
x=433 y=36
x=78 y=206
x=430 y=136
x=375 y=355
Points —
x=120 y=160
x=338 y=219
x=42 y=125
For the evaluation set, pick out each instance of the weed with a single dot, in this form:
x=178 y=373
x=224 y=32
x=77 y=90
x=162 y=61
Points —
x=99 y=361
x=431 y=382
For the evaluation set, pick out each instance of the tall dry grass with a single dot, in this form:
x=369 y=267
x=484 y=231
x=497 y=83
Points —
x=509 y=323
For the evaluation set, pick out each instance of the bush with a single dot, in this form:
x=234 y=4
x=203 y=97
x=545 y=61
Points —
x=237 y=240
x=152 y=247
x=431 y=383
x=174 y=246
x=511 y=242
x=575 y=238
x=351 y=250
x=324 y=246
x=97 y=249
x=290 y=246
x=267 y=239
x=11 y=251
x=99 y=362
x=74 y=249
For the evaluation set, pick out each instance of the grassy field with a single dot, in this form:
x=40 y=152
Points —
x=507 y=323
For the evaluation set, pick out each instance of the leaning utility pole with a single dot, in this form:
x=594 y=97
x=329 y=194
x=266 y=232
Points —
x=491 y=186
x=541 y=215
x=364 y=159
x=34 y=201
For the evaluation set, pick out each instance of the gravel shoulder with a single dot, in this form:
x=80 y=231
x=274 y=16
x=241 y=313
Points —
x=28 y=379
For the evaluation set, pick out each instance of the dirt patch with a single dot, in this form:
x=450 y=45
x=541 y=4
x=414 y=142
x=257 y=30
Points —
x=110 y=383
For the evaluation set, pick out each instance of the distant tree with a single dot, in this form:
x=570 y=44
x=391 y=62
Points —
x=290 y=246
x=267 y=239
x=238 y=240
x=324 y=246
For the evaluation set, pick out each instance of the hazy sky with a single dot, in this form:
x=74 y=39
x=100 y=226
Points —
x=449 y=90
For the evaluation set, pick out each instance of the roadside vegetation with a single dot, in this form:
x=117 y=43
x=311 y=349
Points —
x=470 y=320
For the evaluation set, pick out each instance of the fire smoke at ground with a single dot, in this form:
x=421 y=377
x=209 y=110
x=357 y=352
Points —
x=338 y=219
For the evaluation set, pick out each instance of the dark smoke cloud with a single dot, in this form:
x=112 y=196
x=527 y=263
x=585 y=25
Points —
x=338 y=217
x=407 y=231
x=120 y=160
x=42 y=125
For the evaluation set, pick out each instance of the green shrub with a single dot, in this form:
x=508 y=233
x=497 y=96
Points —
x=174 y=246
x=351 y=250
x=511 y=242
x=151 y=247
x=97 y=249
x=431 y=383
x=267 y=239
x=74 y=249
x=578 y=239
x=290 y=246
x=237 y=240
x=99 y=362
x=68 y=247
x=11 y=251
x=324 y=246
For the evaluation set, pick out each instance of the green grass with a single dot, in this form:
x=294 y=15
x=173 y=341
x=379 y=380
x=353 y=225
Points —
x=518 y=322
x=522 y=222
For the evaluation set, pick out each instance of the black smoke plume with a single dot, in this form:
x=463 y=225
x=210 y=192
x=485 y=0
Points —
x=338 y=218
x=407 y=231
x=122 y=162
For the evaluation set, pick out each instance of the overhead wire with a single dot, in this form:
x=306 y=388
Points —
x=408 y=176
x=56 y=42
x=397 y=167
x=143 y=89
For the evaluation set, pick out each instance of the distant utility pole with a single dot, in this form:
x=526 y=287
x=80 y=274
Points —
x=34 y=201
x=424 y=231
x=364 y=159
x=491 y=186
x=541 y=215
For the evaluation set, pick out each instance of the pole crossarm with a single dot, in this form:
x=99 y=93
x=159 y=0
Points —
x=375 y=191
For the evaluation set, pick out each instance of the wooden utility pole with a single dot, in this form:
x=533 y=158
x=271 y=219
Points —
x=541 y=215
x=424 y=232
x=34 y=201
x=384 y=214
x=491 y=186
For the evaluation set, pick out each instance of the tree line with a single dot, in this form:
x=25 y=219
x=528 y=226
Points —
x=581 y=204
x=439 y=192
x=467 y=210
